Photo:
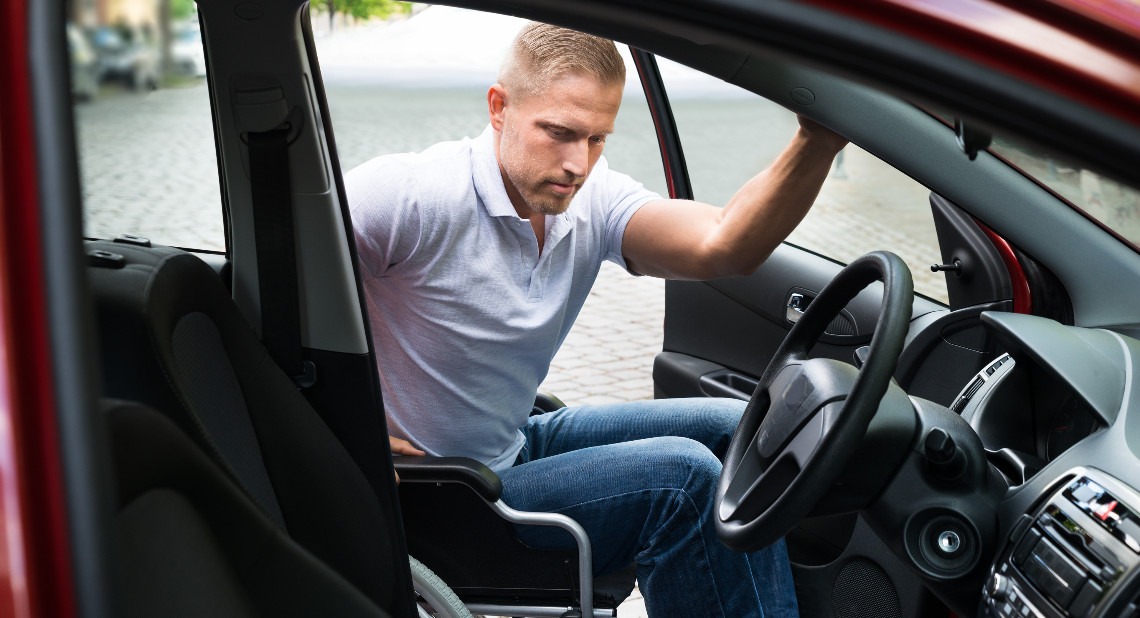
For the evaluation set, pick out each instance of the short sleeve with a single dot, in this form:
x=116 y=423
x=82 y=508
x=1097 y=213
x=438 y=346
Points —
x=622 y=196
x=386 y=220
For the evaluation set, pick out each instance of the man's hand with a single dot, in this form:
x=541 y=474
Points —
x=820 y=134
x=403 y=447
x=678 y=239
x=400 y=446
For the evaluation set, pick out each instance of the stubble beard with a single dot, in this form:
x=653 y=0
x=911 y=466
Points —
x=535 y=195
x=540 y=203
x=549 y=206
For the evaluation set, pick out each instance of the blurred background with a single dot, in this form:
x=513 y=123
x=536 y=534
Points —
x=133 y=44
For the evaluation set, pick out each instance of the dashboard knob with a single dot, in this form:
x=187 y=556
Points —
x=998 y=587
x=947 y=461
x=940 y=446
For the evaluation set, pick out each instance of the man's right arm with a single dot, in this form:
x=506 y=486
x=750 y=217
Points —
x=386 y=223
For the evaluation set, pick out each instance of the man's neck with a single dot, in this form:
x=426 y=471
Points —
x=537 y=219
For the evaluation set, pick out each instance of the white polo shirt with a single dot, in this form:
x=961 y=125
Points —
x=466 y=314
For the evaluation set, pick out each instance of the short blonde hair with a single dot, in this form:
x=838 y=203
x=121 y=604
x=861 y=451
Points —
x=542 y=53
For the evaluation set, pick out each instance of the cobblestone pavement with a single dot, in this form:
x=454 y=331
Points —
x=608 y=355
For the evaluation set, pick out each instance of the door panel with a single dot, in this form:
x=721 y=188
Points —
x=720 y=334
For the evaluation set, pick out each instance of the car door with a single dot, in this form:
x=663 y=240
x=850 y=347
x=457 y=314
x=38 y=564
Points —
x=720 y=334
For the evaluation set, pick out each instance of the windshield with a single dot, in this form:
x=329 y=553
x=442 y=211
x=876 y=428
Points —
x=1114 y=205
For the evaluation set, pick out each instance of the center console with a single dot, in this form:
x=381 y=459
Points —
x=1076 y=555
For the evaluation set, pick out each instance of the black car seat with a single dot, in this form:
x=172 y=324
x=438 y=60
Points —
x=172 y=339
x=191 y=543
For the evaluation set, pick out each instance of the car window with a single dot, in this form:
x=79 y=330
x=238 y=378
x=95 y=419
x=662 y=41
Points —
x=729 y=134
x=403 y=85
x=1114 y=205
x=148 y=165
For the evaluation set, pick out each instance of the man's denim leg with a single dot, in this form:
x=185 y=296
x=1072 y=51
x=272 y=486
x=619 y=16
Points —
x=640 y=477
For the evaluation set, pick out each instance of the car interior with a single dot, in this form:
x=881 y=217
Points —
x=966 y=455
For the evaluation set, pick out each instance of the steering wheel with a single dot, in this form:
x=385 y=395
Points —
x=806 y=417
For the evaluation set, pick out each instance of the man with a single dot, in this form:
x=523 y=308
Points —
x=477 y=256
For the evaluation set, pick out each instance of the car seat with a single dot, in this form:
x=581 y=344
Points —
x=173 y=339
x=189 y=542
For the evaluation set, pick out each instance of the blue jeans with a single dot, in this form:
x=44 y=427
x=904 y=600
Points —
x=640 y=477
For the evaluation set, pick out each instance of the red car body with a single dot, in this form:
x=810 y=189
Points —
x=1085 y=51
x=36 y=574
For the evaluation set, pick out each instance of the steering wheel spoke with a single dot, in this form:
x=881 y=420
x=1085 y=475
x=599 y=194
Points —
x=759 y=482
x=804 y=445
x=800 y=429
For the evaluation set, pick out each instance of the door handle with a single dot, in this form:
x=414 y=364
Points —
x=797 y=304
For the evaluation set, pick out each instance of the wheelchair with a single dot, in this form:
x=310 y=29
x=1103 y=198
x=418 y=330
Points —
x=454 y=519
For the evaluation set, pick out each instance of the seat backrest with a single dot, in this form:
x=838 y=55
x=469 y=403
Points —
x=172 y=338
x=191 y=543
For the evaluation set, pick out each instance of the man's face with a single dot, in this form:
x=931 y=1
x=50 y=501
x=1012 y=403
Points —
x=549 y=142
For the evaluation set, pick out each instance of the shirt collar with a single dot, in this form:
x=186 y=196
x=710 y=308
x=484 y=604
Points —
x=488 y=179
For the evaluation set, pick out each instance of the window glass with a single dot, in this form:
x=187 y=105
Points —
x=403 y=85
x=144 y=129
x=1115 y=205
x=729 y=134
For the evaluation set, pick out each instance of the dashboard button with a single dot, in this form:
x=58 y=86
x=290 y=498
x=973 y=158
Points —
x=1060 y=564
x=1053 y=573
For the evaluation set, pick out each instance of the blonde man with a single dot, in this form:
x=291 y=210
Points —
x=477 y=256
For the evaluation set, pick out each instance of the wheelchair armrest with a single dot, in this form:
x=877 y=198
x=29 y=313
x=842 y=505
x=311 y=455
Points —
x=462 y=470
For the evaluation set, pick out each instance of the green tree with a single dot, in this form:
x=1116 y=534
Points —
x=365 y=9
x=181 y=9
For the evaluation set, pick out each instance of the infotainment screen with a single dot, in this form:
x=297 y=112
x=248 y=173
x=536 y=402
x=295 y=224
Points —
x=1106 y=510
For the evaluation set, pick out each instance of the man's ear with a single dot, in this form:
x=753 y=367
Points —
x=496 y=104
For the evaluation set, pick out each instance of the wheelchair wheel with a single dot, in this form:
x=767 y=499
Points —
x=436 y=600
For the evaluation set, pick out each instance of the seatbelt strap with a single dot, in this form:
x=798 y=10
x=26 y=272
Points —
x=271 y=188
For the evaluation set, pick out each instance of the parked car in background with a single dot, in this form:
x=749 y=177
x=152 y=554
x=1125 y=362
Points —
x=186 y=51
x=128 y=57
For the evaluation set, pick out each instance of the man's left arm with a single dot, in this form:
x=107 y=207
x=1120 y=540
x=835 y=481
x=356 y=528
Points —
x=680 y=239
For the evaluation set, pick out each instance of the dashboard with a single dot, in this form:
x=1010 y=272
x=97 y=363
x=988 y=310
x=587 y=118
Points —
x=1052 y=414
x=1025 y=414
